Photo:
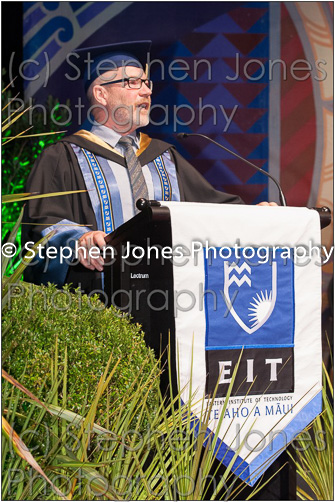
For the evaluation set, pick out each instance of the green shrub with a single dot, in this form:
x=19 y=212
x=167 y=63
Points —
x=39 y=315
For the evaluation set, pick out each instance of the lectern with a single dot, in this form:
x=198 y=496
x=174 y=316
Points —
x=142 y=284
x=259 y=296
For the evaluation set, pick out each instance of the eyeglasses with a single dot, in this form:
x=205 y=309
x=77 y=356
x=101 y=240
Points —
x=133 y=82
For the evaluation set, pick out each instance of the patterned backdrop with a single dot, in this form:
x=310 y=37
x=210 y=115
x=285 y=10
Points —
x=281 y=122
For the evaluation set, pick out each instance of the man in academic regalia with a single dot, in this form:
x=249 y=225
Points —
x=113 y=164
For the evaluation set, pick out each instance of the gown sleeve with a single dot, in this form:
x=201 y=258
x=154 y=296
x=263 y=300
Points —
x=55 y=171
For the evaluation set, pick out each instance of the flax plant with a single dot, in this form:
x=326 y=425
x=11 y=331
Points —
x=315 y=458
x=118 y=459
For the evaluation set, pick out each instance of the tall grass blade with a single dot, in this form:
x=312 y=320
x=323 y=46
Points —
x=12 y=280
x=19 y=386
x=22 y=450
x=13 y=119
x=11 y=239
x=22 y=197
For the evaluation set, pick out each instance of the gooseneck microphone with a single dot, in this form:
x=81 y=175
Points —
x=184 y=135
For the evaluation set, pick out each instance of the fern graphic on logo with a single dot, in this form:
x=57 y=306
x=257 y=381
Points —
x=261 y=304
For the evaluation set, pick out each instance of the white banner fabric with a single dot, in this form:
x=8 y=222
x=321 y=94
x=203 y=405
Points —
x=249 y=277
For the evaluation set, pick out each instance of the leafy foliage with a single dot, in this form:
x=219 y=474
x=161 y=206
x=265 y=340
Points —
x=89 y=333
x=18 y=156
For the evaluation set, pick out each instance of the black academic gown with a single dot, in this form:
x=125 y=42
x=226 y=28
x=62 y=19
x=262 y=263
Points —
x=57 y=170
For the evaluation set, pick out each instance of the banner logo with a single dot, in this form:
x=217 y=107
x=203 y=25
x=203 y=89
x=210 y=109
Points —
x=258 y=303
x=250 y=302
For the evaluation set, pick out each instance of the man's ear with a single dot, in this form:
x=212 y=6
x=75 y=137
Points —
x=100 y=94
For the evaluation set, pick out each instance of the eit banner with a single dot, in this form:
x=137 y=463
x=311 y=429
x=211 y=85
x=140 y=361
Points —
x=255 y=312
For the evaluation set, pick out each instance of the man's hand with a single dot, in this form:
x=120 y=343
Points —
x=267 y=204
x=95 y=240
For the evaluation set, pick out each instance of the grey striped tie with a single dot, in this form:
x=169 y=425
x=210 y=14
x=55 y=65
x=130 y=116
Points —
x=137 y=181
